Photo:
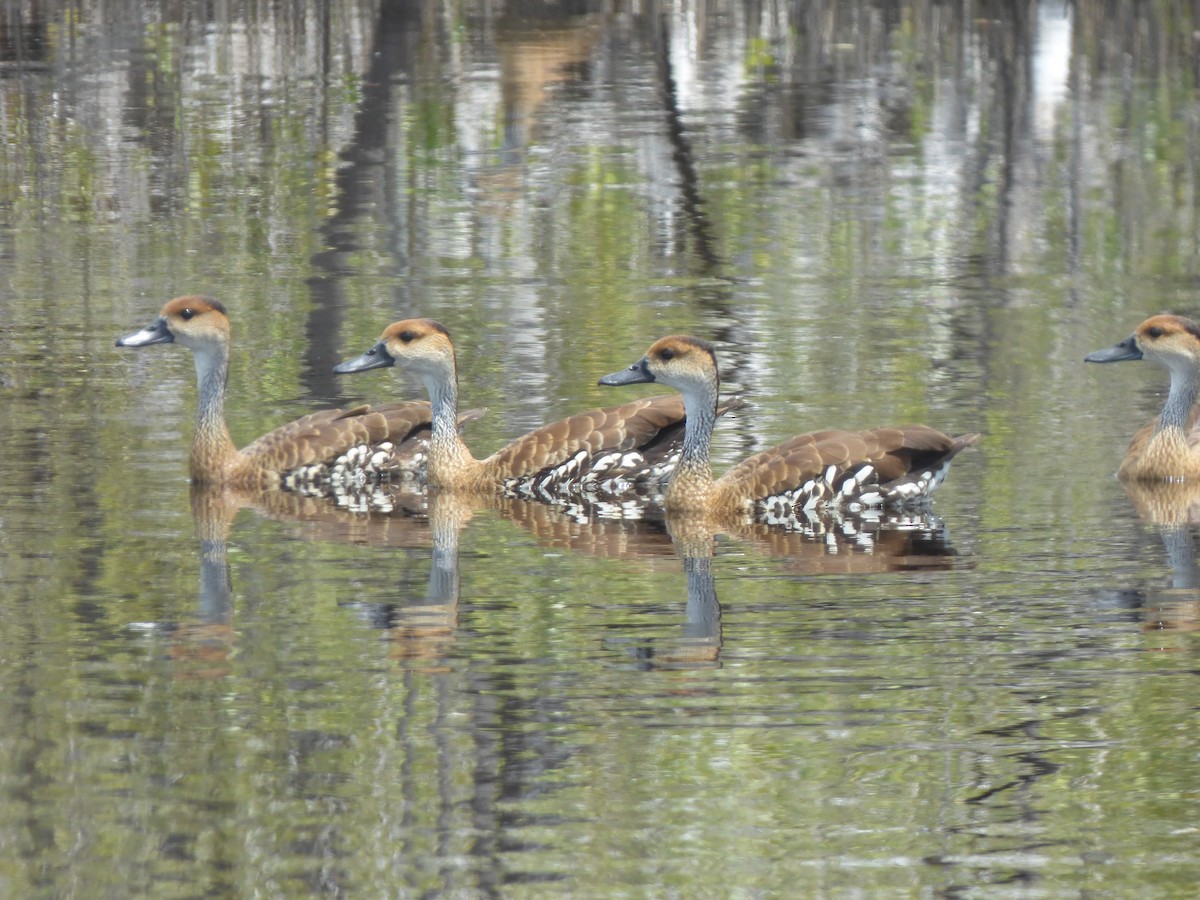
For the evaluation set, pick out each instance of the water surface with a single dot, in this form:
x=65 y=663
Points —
x=880 y=213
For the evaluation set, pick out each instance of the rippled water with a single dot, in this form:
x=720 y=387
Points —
x=912 y=212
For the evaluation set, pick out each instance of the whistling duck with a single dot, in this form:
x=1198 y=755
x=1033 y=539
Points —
x=620 y=448
x=833 y=468
x=1167 y=449
x=363 y=442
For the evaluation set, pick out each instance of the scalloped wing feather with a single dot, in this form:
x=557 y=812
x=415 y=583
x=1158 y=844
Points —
x=833 y=467
x=321 y=437
x=611 y=449
x=622 y=427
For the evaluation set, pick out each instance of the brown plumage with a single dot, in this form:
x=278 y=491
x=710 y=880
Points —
x=1168 y=448
x=833 y=468
x=611 y=450
x=364 y=441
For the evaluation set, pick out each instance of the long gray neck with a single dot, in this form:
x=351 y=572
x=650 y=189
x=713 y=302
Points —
x=443 y=398
x=701 y=409
x=1185 y=387
x=212 y=443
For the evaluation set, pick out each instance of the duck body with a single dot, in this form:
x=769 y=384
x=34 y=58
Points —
x=616 y=449
x=851 y=470
x=1168 y=448
x=355 y=445
x=892 y=467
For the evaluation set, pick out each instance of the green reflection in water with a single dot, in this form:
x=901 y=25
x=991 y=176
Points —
x=896 y=226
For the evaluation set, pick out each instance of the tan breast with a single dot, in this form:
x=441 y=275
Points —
x=1169 y=455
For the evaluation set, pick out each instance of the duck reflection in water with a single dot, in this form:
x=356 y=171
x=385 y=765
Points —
x=207 y=640
x=422 y=632
x=1173 y=509
x=811 y=541
x=641 y=529
x=699 y=644
x=423 y=626
x=830 y=544
x=647 y=538
x=205 y=643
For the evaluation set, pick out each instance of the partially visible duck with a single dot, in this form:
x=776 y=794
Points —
x=1168 y=448
x=358 y=443
x=851 y=469
x=614 y=449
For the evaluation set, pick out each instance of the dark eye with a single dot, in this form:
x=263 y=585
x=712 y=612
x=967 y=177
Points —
x=1154 y=332
x=666 y=353
x=407 y=336
x=187 y=314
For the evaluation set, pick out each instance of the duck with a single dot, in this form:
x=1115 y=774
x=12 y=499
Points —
x=362 y=443
x=618 y=449
x=852 y=470
x=1168 y=447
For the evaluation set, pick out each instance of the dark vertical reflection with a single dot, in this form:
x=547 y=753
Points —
x=691 y=199
x=1172 y=509
x=207 y=640
x=216 y=589
x=362 y=181
x=1181 y=555
x=1014 y=57
x=703 y=608
x=422 y=633
x=126 y=152
x=705 y=262
x=699 y=645
x=1075 y=162
x=23 y=39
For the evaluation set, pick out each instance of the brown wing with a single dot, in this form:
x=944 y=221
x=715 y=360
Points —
x=610 y=450
x=626 y=427
x=324 y=436
x=876 y=466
